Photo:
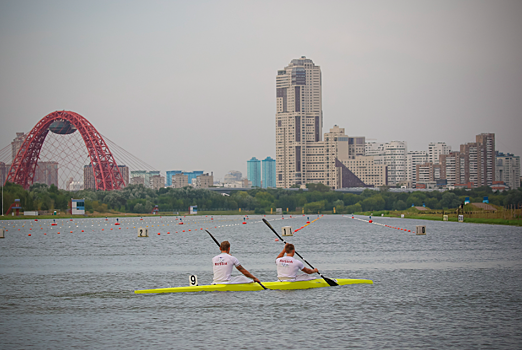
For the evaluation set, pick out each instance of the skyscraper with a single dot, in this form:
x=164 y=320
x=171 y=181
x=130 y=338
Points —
x=299 y=120
x=254 y=171
x=269 y=172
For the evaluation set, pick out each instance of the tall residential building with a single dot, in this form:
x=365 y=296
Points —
x=3 y=173
x=414 y=158
x=171 y=173
x=16 y=144
x=90 y=184
x=205 y=180
x=143 y=177
x=435 y=149
x=233 y=176
x=254 y=171
x=46 y=173
x=124 y=171
x=475 y=163
x=179 y=180
x=299 y=120
x=269 y=172
x=487 y=154
x=394 y=155
x=157 y=182
x=507 y=169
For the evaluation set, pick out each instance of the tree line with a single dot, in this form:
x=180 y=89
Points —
x=139 y=199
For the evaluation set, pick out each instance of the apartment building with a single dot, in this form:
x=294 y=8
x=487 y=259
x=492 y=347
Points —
x=299 y=121
x=507 y=169
x=435 y=149
x=474 y=164
x=414 y=158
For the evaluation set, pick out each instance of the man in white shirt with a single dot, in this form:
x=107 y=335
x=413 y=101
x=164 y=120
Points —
x=288 y=266
x=223 y=265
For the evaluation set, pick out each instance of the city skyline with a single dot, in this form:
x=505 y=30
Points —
x=386 y=74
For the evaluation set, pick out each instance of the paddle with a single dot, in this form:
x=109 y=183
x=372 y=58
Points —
x=219 y=245
x=330 y=281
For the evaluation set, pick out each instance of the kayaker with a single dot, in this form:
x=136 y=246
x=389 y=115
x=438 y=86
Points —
x=288 y=266
x=223 y=265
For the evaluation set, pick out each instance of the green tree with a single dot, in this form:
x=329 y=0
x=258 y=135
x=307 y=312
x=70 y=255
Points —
x=449 y=200
x=318 y=187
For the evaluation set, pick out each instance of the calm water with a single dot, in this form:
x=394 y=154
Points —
x=460 y=286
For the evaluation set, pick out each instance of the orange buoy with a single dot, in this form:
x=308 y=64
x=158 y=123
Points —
x=168 y=233
x=158 y=233
x=82 y=230
x=29 y=234
x=244 y=223
x=183 y=230
x=71 y=231
x=58 y=232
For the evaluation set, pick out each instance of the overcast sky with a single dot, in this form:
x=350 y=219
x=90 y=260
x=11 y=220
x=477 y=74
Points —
x=190 y=85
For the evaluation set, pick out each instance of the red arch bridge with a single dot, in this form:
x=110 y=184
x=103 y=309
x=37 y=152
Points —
x=107 y=175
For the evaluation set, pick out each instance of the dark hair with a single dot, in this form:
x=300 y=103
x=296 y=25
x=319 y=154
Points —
x=225 y=245
x=289 y=248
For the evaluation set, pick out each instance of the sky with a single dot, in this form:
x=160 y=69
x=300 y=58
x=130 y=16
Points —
x=190 y=85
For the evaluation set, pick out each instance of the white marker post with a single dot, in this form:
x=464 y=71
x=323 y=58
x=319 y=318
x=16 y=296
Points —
x=143 y=232
x=193 y=280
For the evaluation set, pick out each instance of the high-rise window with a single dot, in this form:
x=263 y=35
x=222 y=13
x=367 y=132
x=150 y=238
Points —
x=297 y=158
x=297 y=128
x=298 y=76
x=297 y=99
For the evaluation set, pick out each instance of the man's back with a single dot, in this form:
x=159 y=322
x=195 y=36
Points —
x=222 y=265
x=288 y=267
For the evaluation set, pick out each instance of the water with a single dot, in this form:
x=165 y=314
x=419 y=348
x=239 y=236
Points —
x=457 y=287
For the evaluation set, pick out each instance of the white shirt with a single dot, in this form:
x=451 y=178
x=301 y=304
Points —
x=222 y=265
x=287 y=267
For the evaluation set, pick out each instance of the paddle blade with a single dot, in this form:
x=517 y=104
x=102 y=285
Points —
x=330 y=281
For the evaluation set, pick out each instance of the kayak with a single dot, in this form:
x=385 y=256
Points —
x=317 y=283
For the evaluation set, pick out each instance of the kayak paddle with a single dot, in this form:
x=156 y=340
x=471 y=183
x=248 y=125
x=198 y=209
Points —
x=330 y=281
x=219 y=245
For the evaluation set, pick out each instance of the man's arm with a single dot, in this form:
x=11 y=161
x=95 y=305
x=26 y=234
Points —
x=309 y=271
x=246 y=273
x=282 y=253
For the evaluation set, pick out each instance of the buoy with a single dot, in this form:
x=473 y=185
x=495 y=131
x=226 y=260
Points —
x=308 y=222
x=29 y=234
x=71 y=231
x=168 y=233
x=277 y=239
x=158 y=233
x=244 y=223
x=45 y=234
x=370 y=221
x=183 y=230
x=82 y=230
x=58 y=232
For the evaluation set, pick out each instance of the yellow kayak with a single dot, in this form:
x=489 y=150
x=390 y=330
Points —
x=317 y=283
